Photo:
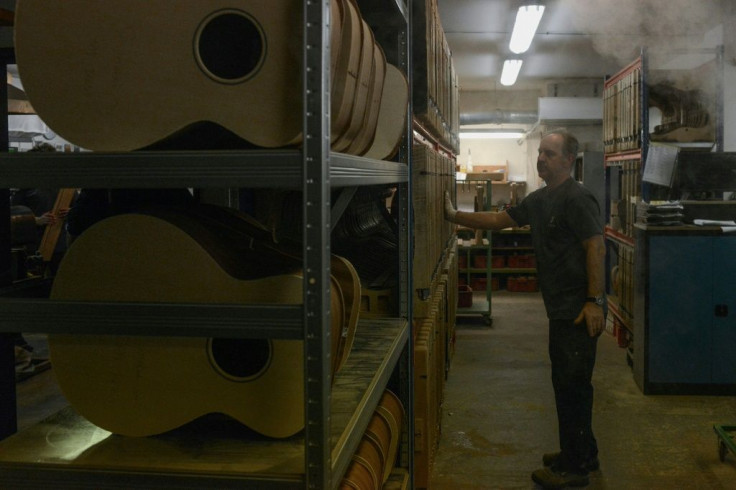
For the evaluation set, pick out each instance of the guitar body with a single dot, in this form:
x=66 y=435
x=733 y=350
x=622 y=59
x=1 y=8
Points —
x=120 y=76
x=392 y=114
x=365 y=76
x=141 y=386
x=345 y=69
x=364 y=139
x=127 y=75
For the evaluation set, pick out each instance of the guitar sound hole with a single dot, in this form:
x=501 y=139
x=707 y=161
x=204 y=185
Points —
x=240 y=359
x=230 y=46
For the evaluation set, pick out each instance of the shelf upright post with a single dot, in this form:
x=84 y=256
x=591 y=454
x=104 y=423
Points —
x=316 y=243
x=406 y=245
x=8 y=409
x=489 y=253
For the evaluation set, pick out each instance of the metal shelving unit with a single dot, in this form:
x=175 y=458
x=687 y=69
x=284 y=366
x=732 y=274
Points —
x=329 y=438
x=485 y=307
x=623 y=168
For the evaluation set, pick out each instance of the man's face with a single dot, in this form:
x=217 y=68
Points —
x=552 y=165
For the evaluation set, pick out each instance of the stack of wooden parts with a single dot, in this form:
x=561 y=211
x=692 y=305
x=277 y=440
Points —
x=141 y=386
x=630 y=194
x=431 y=359
x=622 y=97
x=622 y=279
x=375 y=460
x=495 y=173
x=432 y=174
x=235 y=63
x=450 y=278
x=436 y=93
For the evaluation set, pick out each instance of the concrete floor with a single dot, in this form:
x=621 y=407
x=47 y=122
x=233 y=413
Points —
x=499 y=418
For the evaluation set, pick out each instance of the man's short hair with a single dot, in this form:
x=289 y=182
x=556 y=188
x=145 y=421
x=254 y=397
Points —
x=570 y=143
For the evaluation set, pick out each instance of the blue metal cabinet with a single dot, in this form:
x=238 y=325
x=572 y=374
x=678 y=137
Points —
x=724 y=314
x=685 y=322
x=680 y=297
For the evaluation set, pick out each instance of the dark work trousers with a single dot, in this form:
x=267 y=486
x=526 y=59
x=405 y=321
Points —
x=572 y=353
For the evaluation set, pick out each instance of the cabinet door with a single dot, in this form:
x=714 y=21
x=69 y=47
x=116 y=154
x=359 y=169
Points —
x=724 y=314
x=680 y=309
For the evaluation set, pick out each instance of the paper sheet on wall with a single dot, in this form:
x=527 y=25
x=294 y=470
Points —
x=660 y=164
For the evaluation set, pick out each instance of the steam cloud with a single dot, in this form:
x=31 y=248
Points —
x=620 y=28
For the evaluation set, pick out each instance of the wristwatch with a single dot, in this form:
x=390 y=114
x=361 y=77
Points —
x=599 y=300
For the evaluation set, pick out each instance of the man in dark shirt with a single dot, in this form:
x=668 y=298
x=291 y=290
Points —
x=568 y=242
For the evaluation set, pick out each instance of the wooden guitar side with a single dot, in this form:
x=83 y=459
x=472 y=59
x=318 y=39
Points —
x=365 y=76
x=124 y=75
x=141 y=386
x=392 y=114
x=364 y=139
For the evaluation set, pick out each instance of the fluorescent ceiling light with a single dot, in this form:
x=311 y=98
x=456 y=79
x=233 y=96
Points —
x=527 y=21
x=486 y=134
x=510 y=72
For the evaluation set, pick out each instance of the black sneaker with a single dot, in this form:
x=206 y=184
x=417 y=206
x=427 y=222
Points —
x=550 y=459
x=552 y=478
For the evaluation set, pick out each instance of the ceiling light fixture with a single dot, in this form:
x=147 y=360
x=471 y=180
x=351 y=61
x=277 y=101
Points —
x=486 y=134
x=510 y=72
x=527 y=21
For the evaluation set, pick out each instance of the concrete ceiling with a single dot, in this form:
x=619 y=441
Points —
x=576 y=39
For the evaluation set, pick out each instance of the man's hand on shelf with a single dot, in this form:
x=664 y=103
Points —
x=450 y=211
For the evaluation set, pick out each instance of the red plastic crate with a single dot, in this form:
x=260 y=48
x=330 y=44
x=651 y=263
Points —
x=478 y=284
x=464 y=296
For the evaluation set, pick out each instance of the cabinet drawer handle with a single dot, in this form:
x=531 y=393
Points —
x=721 y=310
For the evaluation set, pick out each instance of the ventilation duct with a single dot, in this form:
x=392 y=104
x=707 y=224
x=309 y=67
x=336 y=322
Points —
x=498 y=117
x=568 y=110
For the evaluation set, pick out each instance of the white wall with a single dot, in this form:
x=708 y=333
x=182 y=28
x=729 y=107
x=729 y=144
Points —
x=497 y=152
x=521 y=156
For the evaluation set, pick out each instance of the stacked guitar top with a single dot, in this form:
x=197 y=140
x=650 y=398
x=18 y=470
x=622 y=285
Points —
x=436 y=87
x=126 y=75
x=146 y=385
x=377 y=453
x=622 y=110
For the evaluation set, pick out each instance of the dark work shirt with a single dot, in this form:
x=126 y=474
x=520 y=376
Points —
x=561 y=219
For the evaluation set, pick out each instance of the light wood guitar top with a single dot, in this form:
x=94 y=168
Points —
x=128 y=75
x=142 y=386
x=123 y=75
